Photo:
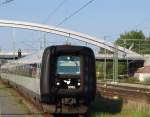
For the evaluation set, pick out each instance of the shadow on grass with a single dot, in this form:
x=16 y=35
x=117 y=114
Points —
x=106 y=105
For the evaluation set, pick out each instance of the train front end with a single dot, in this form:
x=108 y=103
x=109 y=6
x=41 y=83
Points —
x=68 y=79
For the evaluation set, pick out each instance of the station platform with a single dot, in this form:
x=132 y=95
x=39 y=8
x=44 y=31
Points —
x=13 y=105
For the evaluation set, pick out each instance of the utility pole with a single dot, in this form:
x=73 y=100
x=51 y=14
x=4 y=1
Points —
x=115 y=64
x=104 y=68
x=44 y=41
x=41 y=44
x=13 y=41
x=85 y=43
x=127 y=58
x=125 y=54
x=67 y=40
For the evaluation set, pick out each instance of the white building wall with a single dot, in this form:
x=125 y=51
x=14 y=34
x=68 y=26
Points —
x=143 y=76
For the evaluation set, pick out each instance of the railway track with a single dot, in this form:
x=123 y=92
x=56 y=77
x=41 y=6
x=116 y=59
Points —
x=125 y=91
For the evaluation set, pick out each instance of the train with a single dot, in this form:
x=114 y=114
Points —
x=61 y=78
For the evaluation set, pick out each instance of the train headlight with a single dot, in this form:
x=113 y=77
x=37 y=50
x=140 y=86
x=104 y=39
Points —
x=58 y=83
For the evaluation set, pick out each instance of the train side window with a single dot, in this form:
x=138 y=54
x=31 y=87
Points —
x=33 y=70
x=38 y=71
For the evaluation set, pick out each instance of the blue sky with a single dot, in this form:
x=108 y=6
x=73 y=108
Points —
x=101 y=18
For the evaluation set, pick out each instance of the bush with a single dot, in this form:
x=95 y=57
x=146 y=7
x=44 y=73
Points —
x=130 y=80
x=147 y=80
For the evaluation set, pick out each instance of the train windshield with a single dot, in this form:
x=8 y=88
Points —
x=68 y=65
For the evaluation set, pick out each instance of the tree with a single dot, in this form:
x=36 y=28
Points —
x=132 y=40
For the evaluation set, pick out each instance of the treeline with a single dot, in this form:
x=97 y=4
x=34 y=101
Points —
x=135 y=41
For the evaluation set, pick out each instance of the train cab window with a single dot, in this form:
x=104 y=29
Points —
x=68 y=65
x=68 y=72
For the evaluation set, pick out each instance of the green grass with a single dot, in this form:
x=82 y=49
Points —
x=18 y=100
x=130 y=80
x=105 y=107
x=147 y=80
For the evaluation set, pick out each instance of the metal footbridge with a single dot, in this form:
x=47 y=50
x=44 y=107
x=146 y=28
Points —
x=121 y=52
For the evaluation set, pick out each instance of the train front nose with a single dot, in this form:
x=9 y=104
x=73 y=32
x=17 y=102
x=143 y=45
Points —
x=68 y=80
x=68 y=73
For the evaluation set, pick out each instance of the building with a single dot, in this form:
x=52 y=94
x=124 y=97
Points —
x=143 y=73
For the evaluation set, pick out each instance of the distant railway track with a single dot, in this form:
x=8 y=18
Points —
x=128 y=92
